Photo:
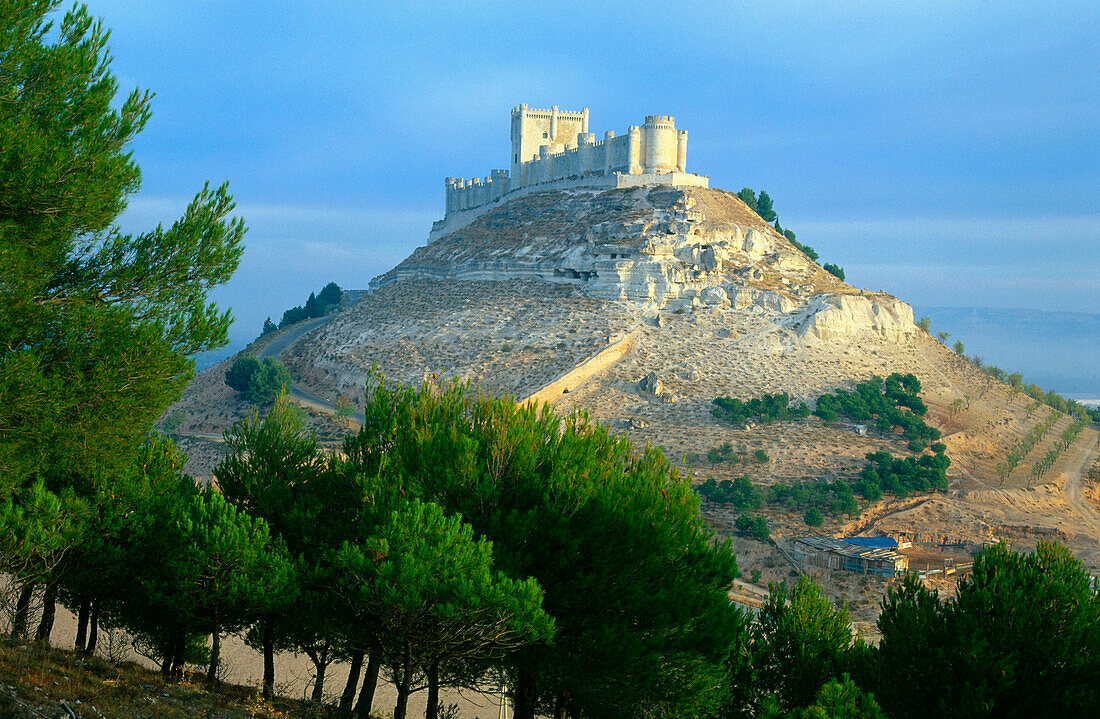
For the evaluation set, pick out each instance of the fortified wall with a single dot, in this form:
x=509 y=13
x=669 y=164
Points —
x=552 y=149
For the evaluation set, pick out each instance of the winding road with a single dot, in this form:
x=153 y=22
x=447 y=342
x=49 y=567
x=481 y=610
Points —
x=300 y=395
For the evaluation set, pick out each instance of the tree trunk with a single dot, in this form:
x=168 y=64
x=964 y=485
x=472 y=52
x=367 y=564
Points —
x=404 y=686
x=215 y=655
x=320 y=663
x=269 y=658
x=169 y=653
x=22 y=611
x=433 y=692
x=561 y=705
x=49 y=611
x=523 y=706
x=179 y=654
x=370 y=683
x=166 y=662
x=353 y=681
x=93 y=628
x=215 y=648
x=82 y=624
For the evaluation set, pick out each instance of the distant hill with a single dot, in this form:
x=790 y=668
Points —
x=203 y=360
x=1056 y=350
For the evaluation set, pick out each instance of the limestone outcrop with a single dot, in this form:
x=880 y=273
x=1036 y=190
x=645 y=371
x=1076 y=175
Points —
x=832 y=317
x=658 y=249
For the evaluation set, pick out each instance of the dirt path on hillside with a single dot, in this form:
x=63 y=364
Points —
x=1074 y=477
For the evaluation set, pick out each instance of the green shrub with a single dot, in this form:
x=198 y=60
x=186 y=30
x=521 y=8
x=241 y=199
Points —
x=813 y=517
x=766 y=409
x=885 y=473
x=240 y=373
x=271 y=378
x=725 y=453
x=893 y=403
x=752 y=527
x=834 y=498
x=740 y=493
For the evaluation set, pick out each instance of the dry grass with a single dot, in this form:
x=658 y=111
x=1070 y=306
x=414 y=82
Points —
x=37 y=682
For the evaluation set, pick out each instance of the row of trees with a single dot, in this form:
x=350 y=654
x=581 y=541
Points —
x=765 y=409
x=457 y=540
x=1040 y=468
x=900 y=476
x=1019 y=638
x=1016 y=383
x=1023 y=447
x=833 y=498
x=765 y=207
x=740 y=492
x=893 y=403
x=318 y=304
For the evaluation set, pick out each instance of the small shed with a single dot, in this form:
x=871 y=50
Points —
x=866 y=555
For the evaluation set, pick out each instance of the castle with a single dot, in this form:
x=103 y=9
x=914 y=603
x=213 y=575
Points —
x=553 y=149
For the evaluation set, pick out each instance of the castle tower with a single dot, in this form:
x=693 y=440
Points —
x=635 y=152
x=532 y=128
x=660 y=144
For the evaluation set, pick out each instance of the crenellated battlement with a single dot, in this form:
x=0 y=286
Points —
x=533 y=112
x=555 y=147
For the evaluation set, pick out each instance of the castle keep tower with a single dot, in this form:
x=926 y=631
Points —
x=531 y=129
x=552 y=149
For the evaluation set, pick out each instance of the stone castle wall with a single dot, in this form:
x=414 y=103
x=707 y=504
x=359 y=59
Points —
x=553 y=149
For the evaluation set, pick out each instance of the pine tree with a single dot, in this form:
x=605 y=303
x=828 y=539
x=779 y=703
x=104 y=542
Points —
x=227 y=572
x=268 y=462
x=435 y=597
x=764 y=208
x=265 y=384
x=38 y=530
x=96 y=326
x=330 y=295
x=314 y=308
x=748 y=196
x=797 y=644
x=1020 y=638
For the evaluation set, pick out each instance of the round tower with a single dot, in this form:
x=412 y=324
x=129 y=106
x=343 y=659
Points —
x=660 y=143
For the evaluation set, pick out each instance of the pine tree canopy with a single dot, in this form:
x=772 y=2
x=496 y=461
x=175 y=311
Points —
x=96 y=326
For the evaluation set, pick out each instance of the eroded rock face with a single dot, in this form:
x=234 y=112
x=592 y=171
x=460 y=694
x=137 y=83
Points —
x=657 y=249
x=832 y=317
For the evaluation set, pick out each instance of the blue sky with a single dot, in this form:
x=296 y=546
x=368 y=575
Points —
x=947 y=152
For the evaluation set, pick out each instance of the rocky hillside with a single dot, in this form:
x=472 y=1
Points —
x=642 y=305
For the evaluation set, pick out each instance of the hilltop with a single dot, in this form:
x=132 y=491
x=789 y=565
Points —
x=642 y=305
